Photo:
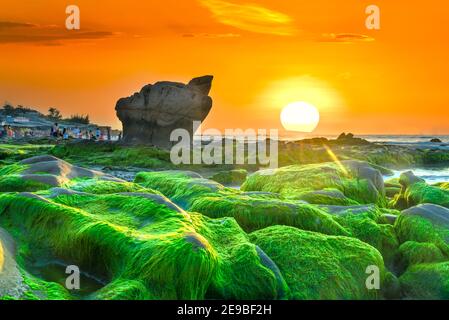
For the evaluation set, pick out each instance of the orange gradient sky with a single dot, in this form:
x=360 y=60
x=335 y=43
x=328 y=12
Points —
x=264 y=54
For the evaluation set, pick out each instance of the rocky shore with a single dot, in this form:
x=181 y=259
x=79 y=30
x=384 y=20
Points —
x=308 y=230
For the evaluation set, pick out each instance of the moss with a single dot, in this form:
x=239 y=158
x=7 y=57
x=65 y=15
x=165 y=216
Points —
x=232 y=177
x=317 y=266
x=129 y=240
x=393 y=183
x=256 y=213
x=113 y=154
x=294 y=181
x=420 y=193
x=96 y=186
x=420 y=229
x=12 y=169
x=43 y=290
x=365 y=227
x=10 y=153
x=123 y=290
x=327 y=197
x=412 y=253
x=444 y=185
x=183 y=188
x=426 y=282
x=392 y=192
x=15 y=183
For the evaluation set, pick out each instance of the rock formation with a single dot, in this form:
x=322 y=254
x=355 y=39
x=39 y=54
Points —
x=150 y=116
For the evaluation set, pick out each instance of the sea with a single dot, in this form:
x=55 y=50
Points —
x=431 y=174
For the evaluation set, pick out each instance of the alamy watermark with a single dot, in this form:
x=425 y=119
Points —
x=373 y=280
x=372 y=22
x=73 y=280
x=73 y=20
x=235 y=147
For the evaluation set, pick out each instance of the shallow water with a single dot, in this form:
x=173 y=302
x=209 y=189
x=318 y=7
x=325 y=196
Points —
x=431 y=175
x=55 y=272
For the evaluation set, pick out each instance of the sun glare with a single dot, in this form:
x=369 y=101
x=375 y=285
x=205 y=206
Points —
x=311 y=90
x=300 y=117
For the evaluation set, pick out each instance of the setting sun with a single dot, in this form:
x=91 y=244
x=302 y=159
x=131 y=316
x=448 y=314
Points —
x=300 y=117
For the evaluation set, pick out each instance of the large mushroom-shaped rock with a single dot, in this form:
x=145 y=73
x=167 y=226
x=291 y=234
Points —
x=150 y=116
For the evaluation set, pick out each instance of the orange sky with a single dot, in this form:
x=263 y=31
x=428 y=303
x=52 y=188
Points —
x=263 y=53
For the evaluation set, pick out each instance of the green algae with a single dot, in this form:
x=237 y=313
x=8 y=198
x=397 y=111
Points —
x=380 y=236
x=10 y=153
x=254 y=214
x=326 y=197
x=413 y=253
x=444 y=185
x=232 y=177
x=96 y=186
x=419 y=229
x=15 y=183
x=426 y=281
x=317 y=266
x=144 y=247
x=291 y=182
x=181 y=187
x=113 y=154
x=176 y=255
x=420 y=193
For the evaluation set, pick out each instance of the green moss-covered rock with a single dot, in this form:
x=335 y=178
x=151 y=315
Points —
x=138 y=240
x=113 y=154
x=44 y=172
x=182 y=187
x=444 y=185
x=425 y=223
x=230 y=178
x=326 y=197
x=96 y=186
x=416 y=191
x=16 y=283
x=257 y=213
x=412 y=253
x=367 y=224
x=10 y=153
x=392 y=192
x=356 y=180
x=426 y=282
x=317 y=266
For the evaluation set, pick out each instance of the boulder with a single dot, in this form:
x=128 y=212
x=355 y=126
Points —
x=317 y=266
x=425 y=223
x=408 y=178
x=416 y=191
x=232 y=177
x=150 y=116
x=44 y=172
x=357 y=180
x=11 y=282
x=142 y=246
x=426 y=282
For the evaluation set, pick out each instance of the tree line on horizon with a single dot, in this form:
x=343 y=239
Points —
x=53 y=114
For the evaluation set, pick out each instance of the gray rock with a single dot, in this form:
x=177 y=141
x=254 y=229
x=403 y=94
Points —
x=11 y=281
x=408 y=178
x=150 y=116
x=439 y=216
x=364 y=170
